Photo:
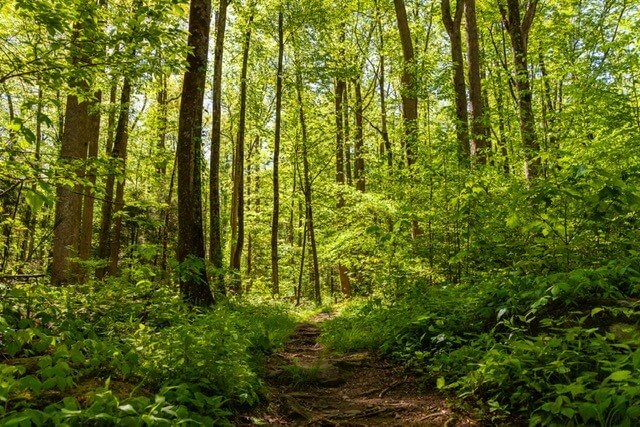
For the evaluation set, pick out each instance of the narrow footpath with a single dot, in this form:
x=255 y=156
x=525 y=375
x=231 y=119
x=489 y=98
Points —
x=308 y=386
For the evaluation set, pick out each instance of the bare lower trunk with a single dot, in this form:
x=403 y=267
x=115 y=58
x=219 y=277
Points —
x=194 y=285
x=68 y=212
x=308 y=196
x=110 y=207
x=86 y=233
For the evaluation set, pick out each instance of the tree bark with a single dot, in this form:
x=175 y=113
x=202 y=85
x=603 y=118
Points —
x=78 y=131
x=86 y=232
x=275 y=280
x=308 y=196
x=215 y=241
x=68 y=211
x=194 y=285
x=359 y=145
x=452 y=25
x=480 y=141
x=518 y=28
x=385 y=148
x=408 y=90
x=338 y=111
x=237 y=204
x=347 y=135
x=118 y=155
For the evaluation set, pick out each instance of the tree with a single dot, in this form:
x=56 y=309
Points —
x=359 y=145
x=518 y=25
x=385 y=147
x=215 y=243
x=276 y=159
x=307 y=190
x=408 y=90
x=480 y=142
x=237 y=204
x=79 y=130
x=194 y=285
x=452 y=25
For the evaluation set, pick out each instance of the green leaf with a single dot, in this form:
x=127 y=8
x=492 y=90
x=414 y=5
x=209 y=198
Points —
x=619 y=376
x=440 y=383
x=128 y=409
x=32 y=383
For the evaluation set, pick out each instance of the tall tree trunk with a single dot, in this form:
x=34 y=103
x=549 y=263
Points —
x=118 y=155
x=359 y=145
x=480 y=142
x=452 y=25
x=31 y=223
x=68 y=212
x=518 y=27
x=86 y=232
x=78 y=131
x=11 y=198
x=548 y=107
x=347 y=135
x=194 y=285
x=237 y=204
x=298 y=291
x=275 y=278
x=339 y=94
x=340 y=88
x=163 y=118
x=408 y=90
x=215 y=241
x=307 y=195
x=385 y=149
x=167 y=218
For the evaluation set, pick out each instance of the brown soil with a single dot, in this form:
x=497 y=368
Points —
x=306 y=385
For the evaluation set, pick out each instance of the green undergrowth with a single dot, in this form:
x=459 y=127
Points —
x=559 y=349
x=117 y=353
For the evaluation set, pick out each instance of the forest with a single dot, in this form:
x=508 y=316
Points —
x=319 y=212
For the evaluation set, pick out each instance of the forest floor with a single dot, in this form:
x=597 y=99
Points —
x=307 y=385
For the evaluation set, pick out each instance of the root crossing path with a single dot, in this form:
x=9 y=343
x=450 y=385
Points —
x=309 y=386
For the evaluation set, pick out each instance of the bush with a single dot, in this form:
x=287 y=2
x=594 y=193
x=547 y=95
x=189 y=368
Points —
x=149 y=359
x=561 y=348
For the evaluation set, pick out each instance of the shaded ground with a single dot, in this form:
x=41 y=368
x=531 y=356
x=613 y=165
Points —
x=308 y=386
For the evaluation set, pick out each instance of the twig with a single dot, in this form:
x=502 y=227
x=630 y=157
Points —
x=393 y=385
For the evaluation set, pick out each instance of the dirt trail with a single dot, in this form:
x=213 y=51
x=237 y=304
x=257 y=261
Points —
x=308 y=386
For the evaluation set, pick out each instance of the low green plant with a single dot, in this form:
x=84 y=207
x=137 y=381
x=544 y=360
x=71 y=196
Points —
x=302 y=375
x=562 y=348
x=171 y=365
